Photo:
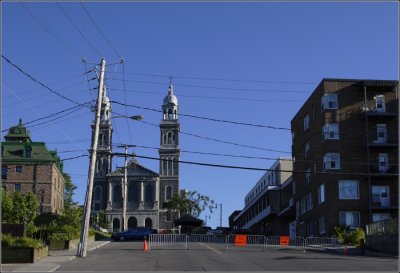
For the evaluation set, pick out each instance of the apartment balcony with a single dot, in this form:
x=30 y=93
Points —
x=288 y=209
x=379 y=171
x=384 y=143
x=378 y=113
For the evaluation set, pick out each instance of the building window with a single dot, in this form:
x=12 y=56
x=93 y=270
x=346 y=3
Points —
x=350 y=219
x=303 y=205
x=17 y=187
x=330 y=131
x=4 y=172
x=329 y=101
x=321 y=224
x=306 y=122
x=380 y=196
x=380 y=103
x=309 y=201
x=117 y=193
x=168 y=193
x=307 y=176
x=294 y=187
x=321 y=193
x=97 y=193
x=18 y=169
x=133 y=193
x=381 y=133
x=28 y=152
x=306 y=148
x=348 y=189
x=383 y=162
x=332 y=161
x=376 y=217
x=168 y=217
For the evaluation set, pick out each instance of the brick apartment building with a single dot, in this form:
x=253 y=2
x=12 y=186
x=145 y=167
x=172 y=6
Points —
x=345 y=146
x=29 y=167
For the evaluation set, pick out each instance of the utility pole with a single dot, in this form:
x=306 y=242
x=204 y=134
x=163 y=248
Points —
x=82 y=247
x=124 y=189
x=220 y=213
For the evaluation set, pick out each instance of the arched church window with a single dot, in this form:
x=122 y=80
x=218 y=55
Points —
x=100 y=139
x=173 y=138
x=170 y=116
x=164 y=138
x=148 y=223
x=169 y=136
x=105 y=167
x=168 y=193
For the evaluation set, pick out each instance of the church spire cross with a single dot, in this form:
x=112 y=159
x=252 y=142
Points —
x=171 y=87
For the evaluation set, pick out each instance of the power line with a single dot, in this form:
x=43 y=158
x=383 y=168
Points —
x=220 y=79
x=207 y=118
x=35 y=80
x=100 y=31
x=51 y=33
x=51 y=115
x=213 y=97
x=80 y=32
x=244 y=168
x=221 y=88
x=220 y=141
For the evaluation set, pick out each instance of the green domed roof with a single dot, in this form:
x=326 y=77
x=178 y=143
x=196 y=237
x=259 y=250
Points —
x=18 y=133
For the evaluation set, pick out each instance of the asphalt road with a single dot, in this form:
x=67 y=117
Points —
x=129 y=256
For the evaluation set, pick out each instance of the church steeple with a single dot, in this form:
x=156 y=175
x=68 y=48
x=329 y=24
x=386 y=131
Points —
x=103 y=164
x=170 y=105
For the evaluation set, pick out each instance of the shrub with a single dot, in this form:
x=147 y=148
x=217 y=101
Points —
x=22 y=242
x=348 y=237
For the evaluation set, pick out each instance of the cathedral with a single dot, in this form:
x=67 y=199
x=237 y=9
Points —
x=141 y=199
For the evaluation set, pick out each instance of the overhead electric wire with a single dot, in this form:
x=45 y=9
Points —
x=213 y=97
x=77 y=29
x=35 y=80
x=206 y=118
x=220 y=79
x=51 y=33
x=51 y=115
x=126 y=107
x=244 y=168
x=221 y=88
x=100 y=31
x=217 y=140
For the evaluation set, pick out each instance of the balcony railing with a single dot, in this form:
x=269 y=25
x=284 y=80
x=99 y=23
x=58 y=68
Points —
x=391 y=171
x=375 y=112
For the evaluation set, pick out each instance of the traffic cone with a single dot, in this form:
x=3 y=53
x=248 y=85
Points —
x=346 y=252
x=145 y=248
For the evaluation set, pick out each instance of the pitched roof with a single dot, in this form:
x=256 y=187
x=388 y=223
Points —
x=134 y=169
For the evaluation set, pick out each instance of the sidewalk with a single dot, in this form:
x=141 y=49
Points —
x=51 y=262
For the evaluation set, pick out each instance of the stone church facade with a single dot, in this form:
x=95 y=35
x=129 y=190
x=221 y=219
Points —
x=146 y=191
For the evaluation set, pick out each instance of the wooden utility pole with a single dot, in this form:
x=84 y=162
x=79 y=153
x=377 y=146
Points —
x=82 y=247
x=124 y=190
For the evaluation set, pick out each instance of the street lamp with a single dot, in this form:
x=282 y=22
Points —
x=220 y=213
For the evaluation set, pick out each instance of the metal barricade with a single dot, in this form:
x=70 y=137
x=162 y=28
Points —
x=207 y=239
x=246 y=241
x=275 y=242
x=159 y=240
x=322 y=242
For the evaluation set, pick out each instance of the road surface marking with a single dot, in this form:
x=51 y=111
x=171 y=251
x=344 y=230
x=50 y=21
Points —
x=209 y=247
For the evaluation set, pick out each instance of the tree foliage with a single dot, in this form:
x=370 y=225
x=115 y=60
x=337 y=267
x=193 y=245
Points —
x=191 y=202
x=69 y=188
x=20 y=208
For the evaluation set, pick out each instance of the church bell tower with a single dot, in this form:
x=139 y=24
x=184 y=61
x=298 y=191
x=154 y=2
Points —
x=169 y=154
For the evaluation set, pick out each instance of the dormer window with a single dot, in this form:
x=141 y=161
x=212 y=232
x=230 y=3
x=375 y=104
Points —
x=28 y=152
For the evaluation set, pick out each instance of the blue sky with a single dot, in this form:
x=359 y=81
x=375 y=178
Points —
x=247 y=62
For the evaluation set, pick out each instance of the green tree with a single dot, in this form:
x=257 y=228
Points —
x=191 y=202
x=69 y=189
x=20 y=208
x=6 y=207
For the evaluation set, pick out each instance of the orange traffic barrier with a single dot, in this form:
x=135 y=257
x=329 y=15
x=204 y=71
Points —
x=145 y=248
x=240 y=240
x=284 y=240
